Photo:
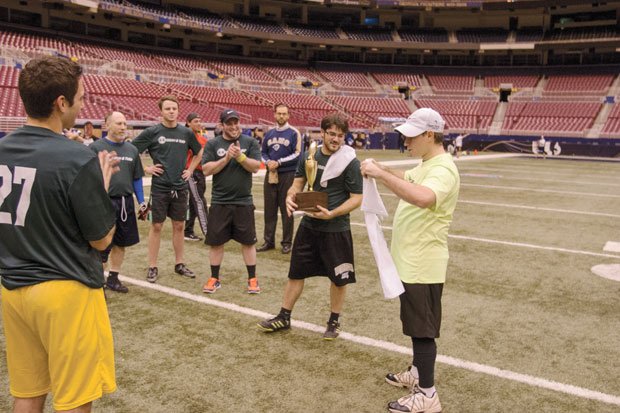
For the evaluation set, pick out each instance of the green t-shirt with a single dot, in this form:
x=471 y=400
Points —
x=52 y=202
x=233 y=184
x=121 y=183
x=169 y=147
x=338 y=191
x=420 y=235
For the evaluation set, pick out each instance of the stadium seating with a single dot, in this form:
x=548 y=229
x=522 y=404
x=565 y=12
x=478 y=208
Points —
x=529 y=34
x=479 y=35
x=111 y=73
x=259 y=26
x=395 y=79
x=373 y=35
x=564 y=84
x=580 y=33
x=424 y=35
x=468 y=115
x=347 y=79
x=459 y=84
x=314 y=31
x=518 y=82
x=570 y=118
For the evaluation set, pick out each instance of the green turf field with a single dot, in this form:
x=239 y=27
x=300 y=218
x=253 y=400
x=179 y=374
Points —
x=521 y=302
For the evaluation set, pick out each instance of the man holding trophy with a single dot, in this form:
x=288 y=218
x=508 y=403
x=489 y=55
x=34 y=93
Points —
x=323 y=244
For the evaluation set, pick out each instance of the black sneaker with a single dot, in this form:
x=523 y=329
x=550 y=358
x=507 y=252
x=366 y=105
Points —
x=116 y=286
x=332 y=331
x=181 y=269
x=275 y=324
x=192 y=237
x=151 y=275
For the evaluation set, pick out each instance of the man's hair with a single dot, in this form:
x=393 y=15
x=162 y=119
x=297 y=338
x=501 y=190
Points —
x=337 y=120
x=107 y=116
x=281 y=105
x=43 y=80
x=438 y=137
x=88 y=123
x=171 y=98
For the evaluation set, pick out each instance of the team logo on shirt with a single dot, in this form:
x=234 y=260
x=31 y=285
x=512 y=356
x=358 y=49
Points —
x=161 y=140
x=276 y=147
x=221 y=152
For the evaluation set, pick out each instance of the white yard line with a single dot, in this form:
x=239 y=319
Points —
x=538 y=179
x=565 y=211
x=552 y=191
x=533 y=172
x=385 y=345
x=515 y=244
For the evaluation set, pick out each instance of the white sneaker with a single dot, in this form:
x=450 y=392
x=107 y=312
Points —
x=402 y=379
x=416 y=401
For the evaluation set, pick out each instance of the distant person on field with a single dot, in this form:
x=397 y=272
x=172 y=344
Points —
x=280 y=153
x=169 y=145
x=323 y=244
x=88 y=136
x=194 y=122
x=56 y=220
x=541 y=147
x=123 y=185
x=231 y=158
x=428 y=194
x=458 y=143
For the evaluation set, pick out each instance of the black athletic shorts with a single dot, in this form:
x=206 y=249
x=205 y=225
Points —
x=173 y=204
x=420 y=310
x=326 y=254
x=228 y=222
x=126 y=233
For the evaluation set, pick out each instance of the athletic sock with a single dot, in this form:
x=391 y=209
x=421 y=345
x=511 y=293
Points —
x=215 y=271
x=414 y=371
x=251 y=271
x=285 y=314
x=112 y=277
x=428 y=392
x=425 y=353
x=333 y=317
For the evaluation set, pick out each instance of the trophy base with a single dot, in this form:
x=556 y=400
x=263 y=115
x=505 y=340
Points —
x=307 y=201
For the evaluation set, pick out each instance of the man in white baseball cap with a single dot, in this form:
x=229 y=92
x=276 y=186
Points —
x=422 y=120
x=428 y=195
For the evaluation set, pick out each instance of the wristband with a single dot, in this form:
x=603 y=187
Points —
x=241 y=158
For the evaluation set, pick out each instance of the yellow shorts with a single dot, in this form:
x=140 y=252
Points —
x=58 y=339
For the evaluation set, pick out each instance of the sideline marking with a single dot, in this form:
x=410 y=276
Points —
x=612 y=246
x=566 y=211
x=518 y=188
x=609 y=271
x=516 y=244
x=386 y=345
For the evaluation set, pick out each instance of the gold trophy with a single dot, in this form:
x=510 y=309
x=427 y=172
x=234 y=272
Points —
x=308 y=200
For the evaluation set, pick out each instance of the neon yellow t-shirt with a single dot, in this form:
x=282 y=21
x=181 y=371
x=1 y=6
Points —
x=420 y=235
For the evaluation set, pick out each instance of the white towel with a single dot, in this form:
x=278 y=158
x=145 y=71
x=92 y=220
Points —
x=337 y=163
x=373 y=208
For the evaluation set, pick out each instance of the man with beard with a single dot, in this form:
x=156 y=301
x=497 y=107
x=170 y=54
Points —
x=280 y=153
x=323 y=244
x=231 y=158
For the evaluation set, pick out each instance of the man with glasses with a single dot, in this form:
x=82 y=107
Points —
x=323 y=244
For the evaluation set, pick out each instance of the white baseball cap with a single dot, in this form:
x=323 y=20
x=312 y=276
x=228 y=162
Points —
x=421 y=121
